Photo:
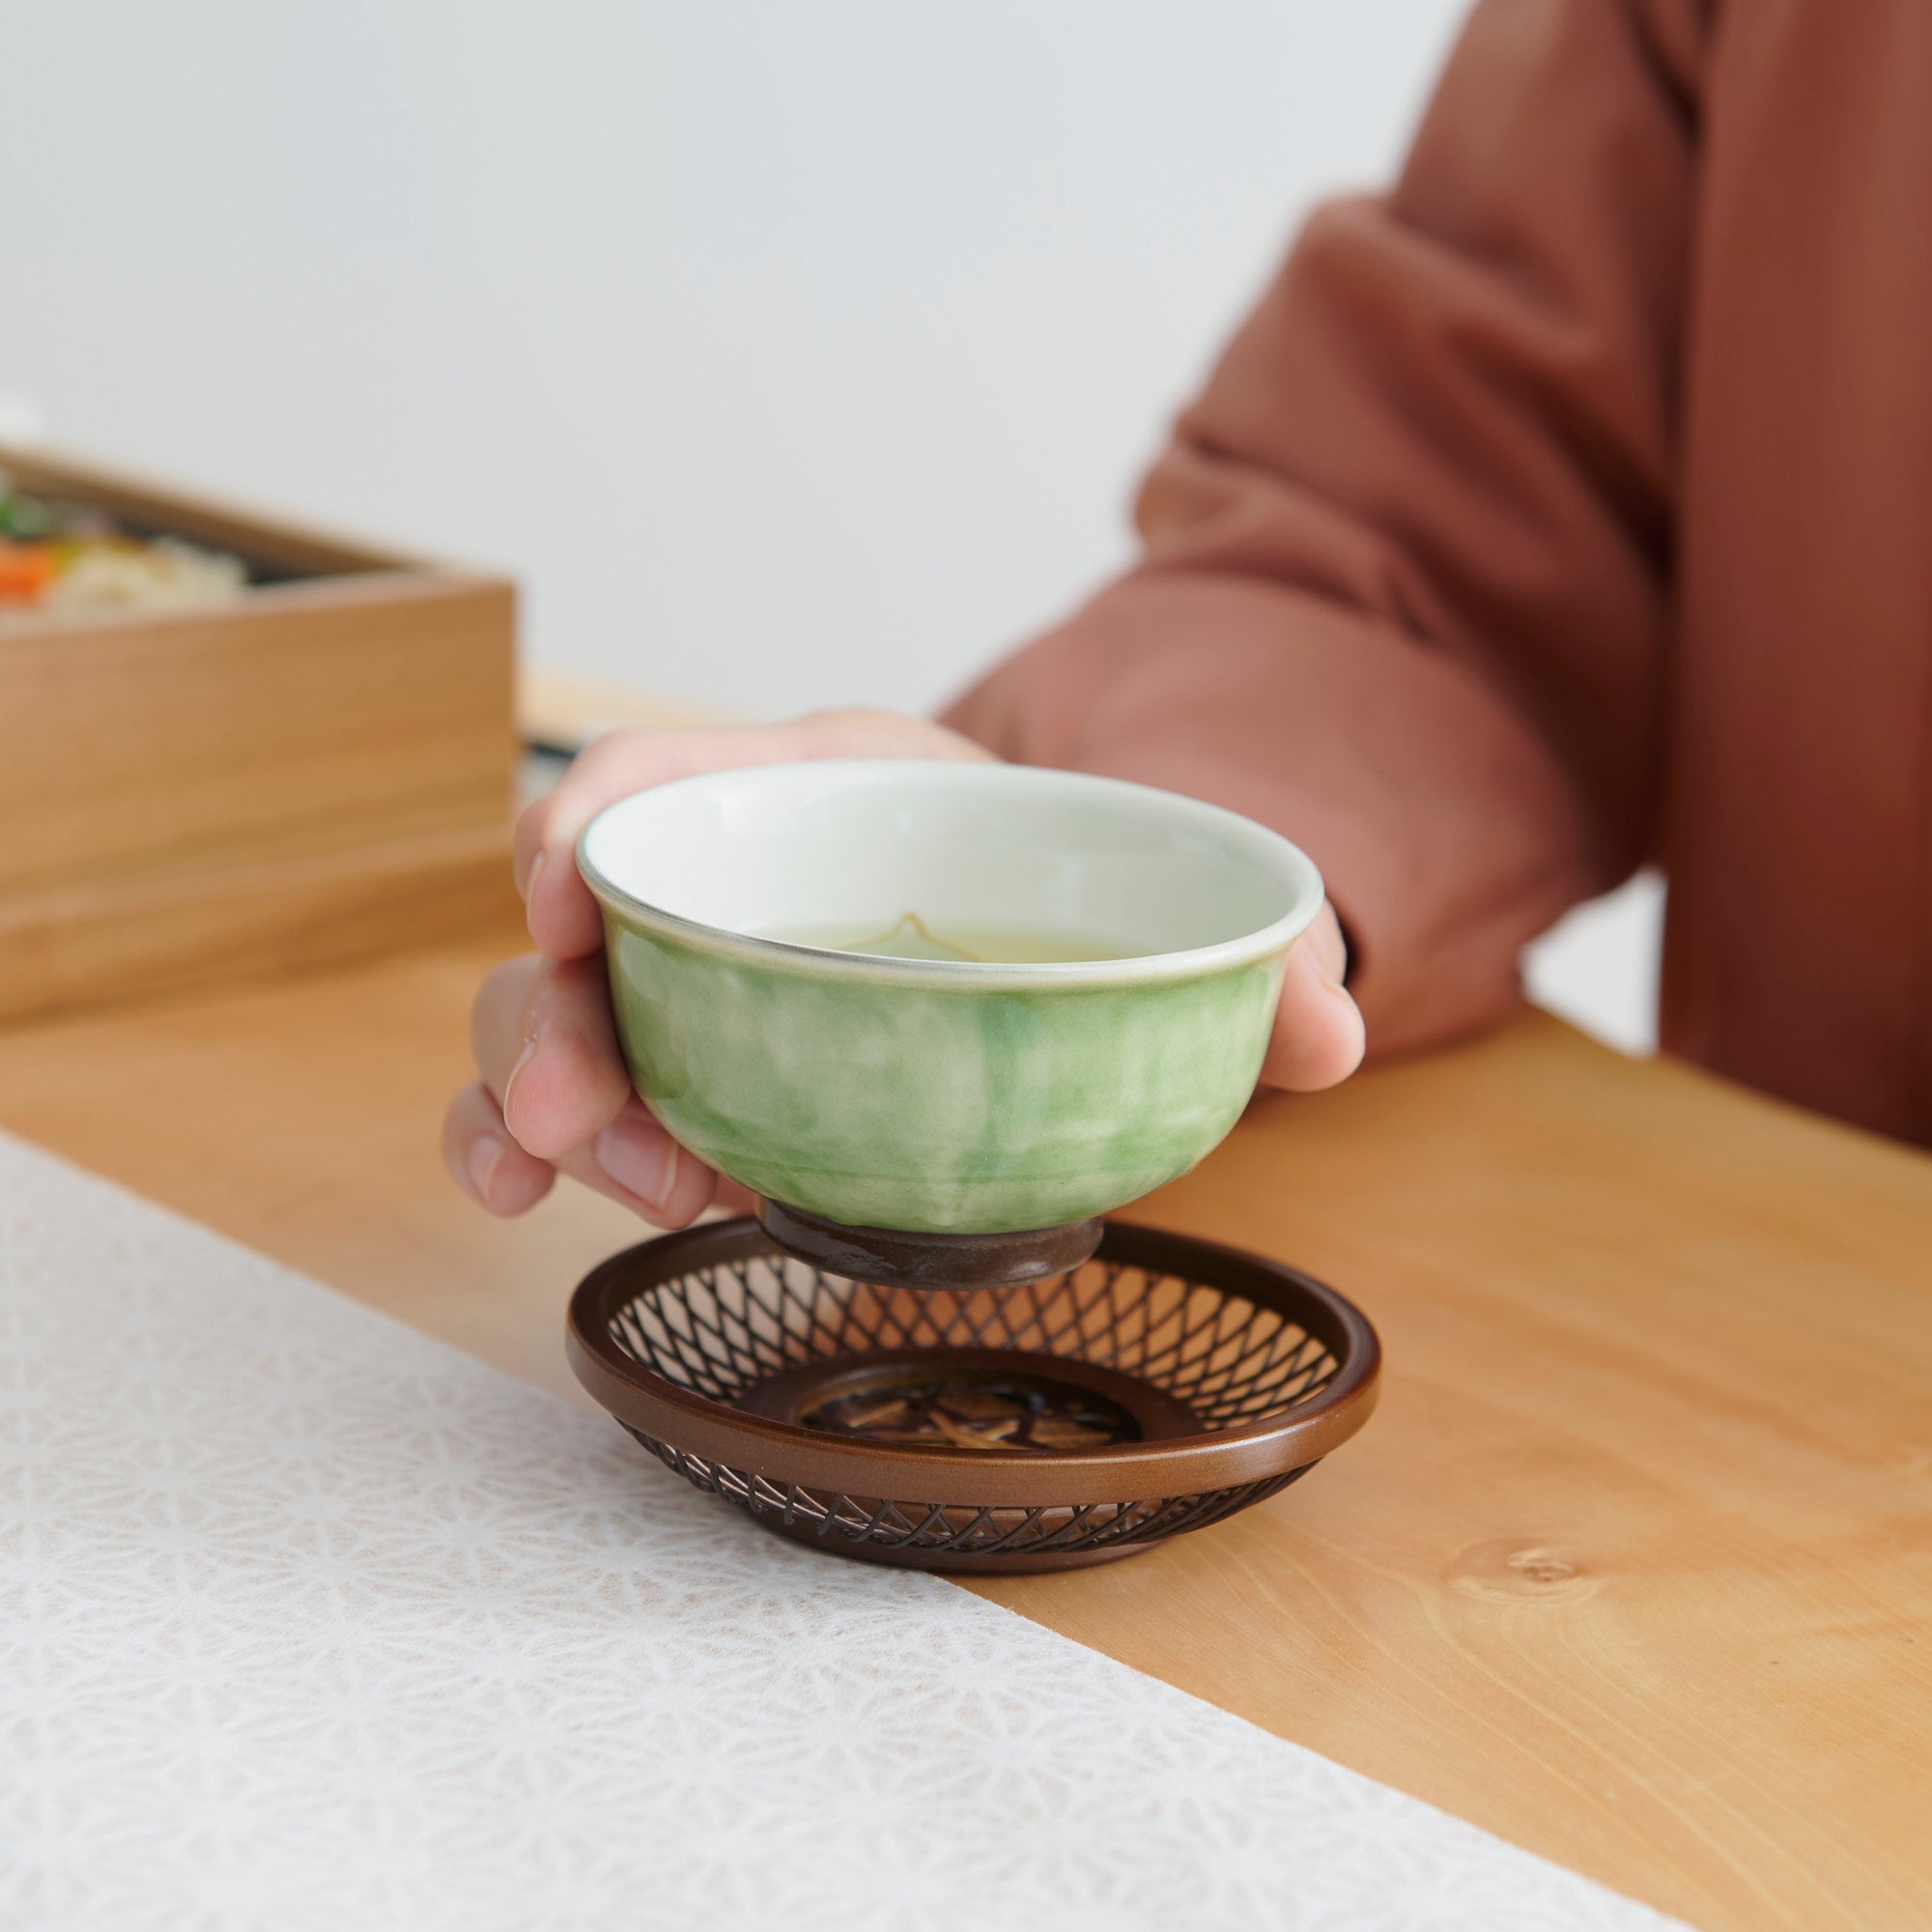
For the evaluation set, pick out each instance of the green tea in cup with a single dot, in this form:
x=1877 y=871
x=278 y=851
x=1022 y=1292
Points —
x=912 y=938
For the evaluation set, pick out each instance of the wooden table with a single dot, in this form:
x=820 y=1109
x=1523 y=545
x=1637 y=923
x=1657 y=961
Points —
x=1634 y=1565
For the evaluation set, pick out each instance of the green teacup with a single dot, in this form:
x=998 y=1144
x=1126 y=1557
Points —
x=955 y=1093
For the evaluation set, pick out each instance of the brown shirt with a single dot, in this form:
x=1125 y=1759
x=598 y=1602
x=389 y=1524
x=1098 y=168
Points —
x=1569 y=505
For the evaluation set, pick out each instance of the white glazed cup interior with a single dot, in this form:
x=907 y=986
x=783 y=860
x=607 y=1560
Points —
x=1183 y=887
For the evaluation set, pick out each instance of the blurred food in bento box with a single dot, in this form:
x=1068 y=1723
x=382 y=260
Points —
x=60 y=556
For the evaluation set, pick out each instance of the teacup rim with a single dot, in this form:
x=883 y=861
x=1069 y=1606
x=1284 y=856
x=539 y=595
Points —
x=1298 y=870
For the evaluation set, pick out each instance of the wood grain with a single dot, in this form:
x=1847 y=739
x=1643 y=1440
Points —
x=269 y=781
x=310 y=717
x=109 y=941
x=302 y=1117
x=1633 y=1566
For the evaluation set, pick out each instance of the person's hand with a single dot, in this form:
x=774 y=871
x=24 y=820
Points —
x=553 y=1095
x=1318 y=1040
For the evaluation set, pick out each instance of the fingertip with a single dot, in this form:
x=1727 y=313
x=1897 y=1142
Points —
x=558 y=907
x=1351 y=1041
x=569 y=1079
x=640 y=1164
x=516 y=1182
x=533 y=878
x=562 y=1095
x=527 y=841
x=485 y=1163
x=691 y=1194
x=1319 y=1038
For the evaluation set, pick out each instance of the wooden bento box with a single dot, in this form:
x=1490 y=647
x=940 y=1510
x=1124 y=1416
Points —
x=320 y=769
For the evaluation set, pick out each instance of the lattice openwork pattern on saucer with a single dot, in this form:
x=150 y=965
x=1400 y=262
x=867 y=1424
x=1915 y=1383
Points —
x=1159 y=1387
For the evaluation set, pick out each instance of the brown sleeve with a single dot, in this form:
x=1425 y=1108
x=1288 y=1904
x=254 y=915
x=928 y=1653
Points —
x=1403 y=590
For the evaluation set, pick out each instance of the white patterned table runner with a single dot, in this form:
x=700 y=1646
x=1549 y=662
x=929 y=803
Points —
x=308 y=1621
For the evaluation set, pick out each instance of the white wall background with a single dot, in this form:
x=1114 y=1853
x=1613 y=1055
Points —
x=790 y=354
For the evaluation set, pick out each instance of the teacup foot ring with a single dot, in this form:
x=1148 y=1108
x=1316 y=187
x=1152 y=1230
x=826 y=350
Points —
x=892 y=1259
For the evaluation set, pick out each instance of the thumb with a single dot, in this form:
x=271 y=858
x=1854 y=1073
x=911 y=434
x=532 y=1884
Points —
x=1317 y=1039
